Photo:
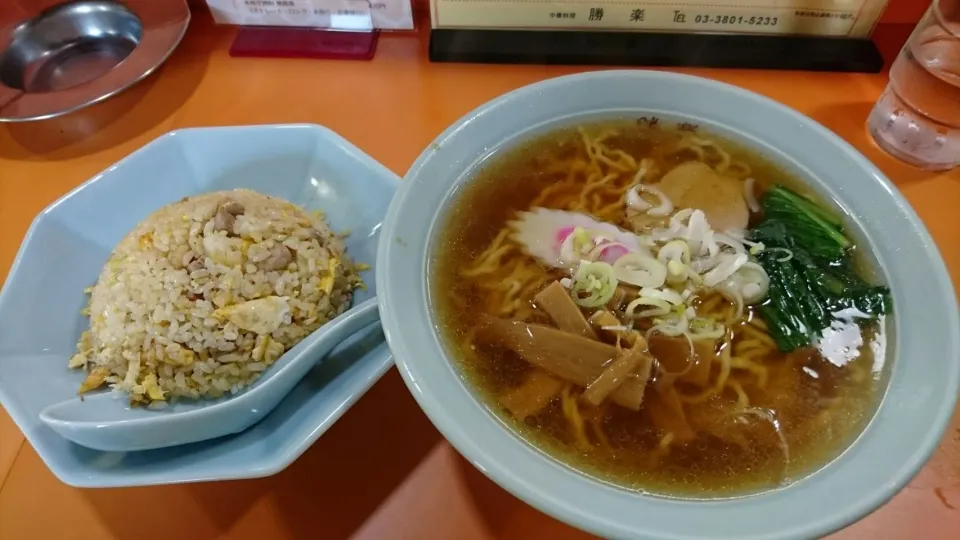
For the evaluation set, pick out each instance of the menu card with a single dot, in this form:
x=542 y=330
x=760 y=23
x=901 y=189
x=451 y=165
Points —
x=332 y=14
x=851 y=18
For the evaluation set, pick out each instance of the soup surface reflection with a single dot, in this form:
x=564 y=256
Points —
x=661 y=309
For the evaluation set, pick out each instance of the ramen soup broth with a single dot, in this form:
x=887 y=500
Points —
x=741 y=416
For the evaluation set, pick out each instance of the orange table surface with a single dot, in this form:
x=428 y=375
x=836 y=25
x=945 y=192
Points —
x=403 y=480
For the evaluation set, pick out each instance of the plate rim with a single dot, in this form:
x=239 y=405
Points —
x=45 y=113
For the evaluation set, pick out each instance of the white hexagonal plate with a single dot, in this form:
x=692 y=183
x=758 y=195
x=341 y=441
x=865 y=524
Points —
x=69 y=241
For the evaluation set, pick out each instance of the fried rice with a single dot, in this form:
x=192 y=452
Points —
x=205 y=294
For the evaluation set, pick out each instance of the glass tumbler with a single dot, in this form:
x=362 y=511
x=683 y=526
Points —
x=917 y=119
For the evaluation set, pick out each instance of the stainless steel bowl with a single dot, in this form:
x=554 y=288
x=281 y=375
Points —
x=78 y=53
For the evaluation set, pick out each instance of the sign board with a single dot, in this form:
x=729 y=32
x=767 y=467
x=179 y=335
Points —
x=841 y=18
x=332 y=14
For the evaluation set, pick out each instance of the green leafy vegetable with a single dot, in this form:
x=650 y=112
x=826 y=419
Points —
x=818 y=231
x=818 y=280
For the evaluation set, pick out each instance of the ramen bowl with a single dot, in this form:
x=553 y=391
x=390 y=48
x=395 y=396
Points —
x=923 y=354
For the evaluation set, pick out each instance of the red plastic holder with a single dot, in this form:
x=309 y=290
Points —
x=320 y=43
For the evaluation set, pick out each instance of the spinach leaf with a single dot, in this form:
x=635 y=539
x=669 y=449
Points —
x=817 y=280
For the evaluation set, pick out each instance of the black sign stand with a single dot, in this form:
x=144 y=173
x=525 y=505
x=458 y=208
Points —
x=749 y=51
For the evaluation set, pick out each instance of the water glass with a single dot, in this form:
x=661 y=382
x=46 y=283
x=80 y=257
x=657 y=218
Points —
x=917 y=119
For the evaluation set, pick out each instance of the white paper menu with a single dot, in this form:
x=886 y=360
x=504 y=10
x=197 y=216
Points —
x=333 y=14
x=853 y=18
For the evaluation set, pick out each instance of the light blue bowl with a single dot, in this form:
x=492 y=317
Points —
x=68 y=243
x=926 y=351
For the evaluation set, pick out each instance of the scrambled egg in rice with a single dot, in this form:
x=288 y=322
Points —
x=206 y=293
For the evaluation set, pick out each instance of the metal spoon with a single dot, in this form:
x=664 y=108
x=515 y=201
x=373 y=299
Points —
x=105 y=421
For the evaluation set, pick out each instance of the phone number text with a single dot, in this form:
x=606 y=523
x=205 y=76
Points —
x=735 y=20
